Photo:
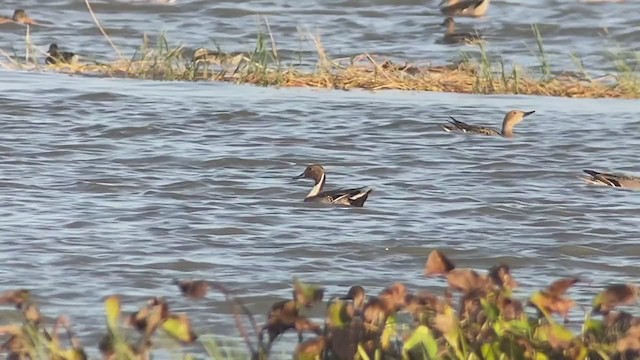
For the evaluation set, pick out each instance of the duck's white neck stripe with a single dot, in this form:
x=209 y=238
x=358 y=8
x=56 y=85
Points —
x=317 y=187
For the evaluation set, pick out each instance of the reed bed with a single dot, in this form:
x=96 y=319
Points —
x=264 y=66
x=476 y=316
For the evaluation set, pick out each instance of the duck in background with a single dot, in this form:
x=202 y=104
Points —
x=469 y=8
x=19 y=16
x=611 y=179
x=511 y=119
x=55 y=56
x=452 y=37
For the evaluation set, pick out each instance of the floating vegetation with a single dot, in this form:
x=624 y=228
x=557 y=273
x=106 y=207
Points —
x=264 y=66
x=474 y=317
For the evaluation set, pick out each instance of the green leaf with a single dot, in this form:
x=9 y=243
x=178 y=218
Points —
x=422 y=336
x=489 y=351
x=305 y=294
x=390 y=330
x=179 y=327
x=362 y=353
x=337 y=314
x=112 y=310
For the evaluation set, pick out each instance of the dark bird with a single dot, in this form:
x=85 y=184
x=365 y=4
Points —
x=350 y=197
x=452 y=37
x=60 y=57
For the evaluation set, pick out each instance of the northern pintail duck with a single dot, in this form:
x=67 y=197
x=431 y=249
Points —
x=60 y=57
x=512 y=118
x=613 y=180
x=218 y=57
x=19 y=16
x=452 y=37
x=470 y=8
x=351 y=197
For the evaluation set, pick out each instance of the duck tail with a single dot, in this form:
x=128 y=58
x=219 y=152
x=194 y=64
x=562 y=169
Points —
x=359 y=198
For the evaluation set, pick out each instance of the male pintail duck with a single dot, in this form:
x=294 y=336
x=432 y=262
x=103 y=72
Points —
x=470 y=8
x=351 y=197
x=60 y=57
x=19 y=16
x=452 y=37
x=614 y=180
x=512 y=118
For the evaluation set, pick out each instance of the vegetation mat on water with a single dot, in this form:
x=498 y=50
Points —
x=264 y=66
x=475 y=317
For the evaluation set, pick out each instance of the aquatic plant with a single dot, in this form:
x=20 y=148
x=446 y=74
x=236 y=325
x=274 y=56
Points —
x=265 y=67
x=475 y=316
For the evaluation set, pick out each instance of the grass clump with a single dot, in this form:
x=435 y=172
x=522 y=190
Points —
x=475 y=317
x=264 y=66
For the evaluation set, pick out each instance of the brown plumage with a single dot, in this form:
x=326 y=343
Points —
x=194 y=289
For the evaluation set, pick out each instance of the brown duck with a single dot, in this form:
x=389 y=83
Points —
x=511 y=119
x=19 y=16
x=612 y=179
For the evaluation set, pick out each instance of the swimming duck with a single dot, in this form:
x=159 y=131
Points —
x=19 y=16
x=452 y=37
x=512 y=118
x=614 y=180
x=217 y=57
x=470 y=8
x=350 y=197
x=60 y=57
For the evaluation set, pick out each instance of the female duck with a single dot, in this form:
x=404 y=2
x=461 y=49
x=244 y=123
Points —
x=350 y=197
x=512 y=118
x=19 y=16
x=612 y=179
x=470 y=8
x=452 y=37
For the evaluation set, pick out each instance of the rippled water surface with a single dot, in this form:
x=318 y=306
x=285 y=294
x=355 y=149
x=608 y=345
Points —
x=118 y=186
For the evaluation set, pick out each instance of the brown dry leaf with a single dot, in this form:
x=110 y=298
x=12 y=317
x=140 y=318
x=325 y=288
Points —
x=615 y=295
x=466 y=280
x=394 y=297
x=375 y=314
x=306 y=294
x=32 y=314
x=14 y=329
x=559 y=287
x=437 y=264
x=510 y=309
x=15 y=297
x=150 y=317
x=501 y=276
x=553 y=304
x=196 y=289
x=446 y=322
x=310 y=349
x=631 y=342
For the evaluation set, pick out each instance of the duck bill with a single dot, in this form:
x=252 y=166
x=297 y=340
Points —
x=528 y=113
x=301 y=176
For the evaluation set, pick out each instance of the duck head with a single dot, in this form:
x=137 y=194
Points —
x=511 y=119
x=53 y=48
x=20 y=16
x=449 y=24
x=314 y=171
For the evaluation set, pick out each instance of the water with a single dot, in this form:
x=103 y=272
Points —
x=118 y=186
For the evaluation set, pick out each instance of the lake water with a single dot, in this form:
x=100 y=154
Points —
x=118 y=186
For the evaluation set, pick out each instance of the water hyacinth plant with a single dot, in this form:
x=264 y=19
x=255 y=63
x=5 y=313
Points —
x=474 y=317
